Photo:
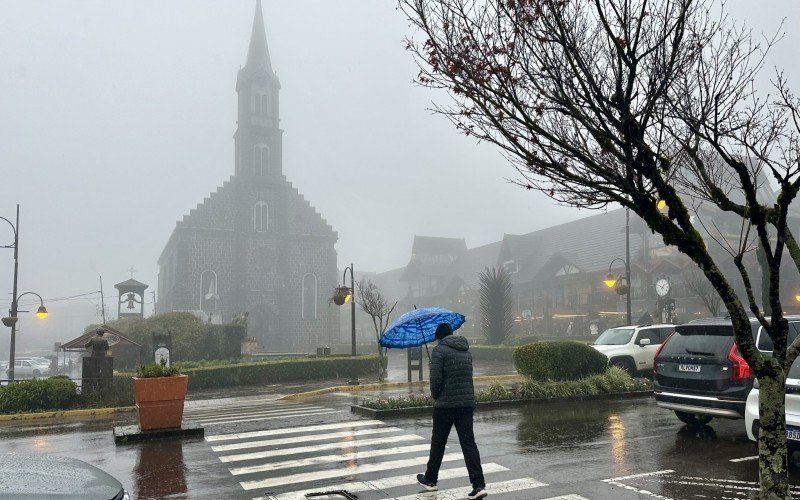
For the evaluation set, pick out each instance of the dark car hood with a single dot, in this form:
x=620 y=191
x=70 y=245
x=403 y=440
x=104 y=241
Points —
x=39 y=476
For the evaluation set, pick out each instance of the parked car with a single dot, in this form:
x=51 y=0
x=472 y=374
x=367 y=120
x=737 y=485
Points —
x=751 y=414
x=700 y=374
x=37 y=475
x=28 y=368
x=632 y=348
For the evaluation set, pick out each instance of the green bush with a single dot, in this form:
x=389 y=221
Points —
x=156 y=370
x=121 y=394
x=37 y=395
x=311 y=368
x=613 y=381
x=491 y=353
x=559 y=360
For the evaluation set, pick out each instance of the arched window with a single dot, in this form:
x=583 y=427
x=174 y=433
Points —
x=261 y=216
x=260 y=105
x=309 y=296
x=260 y=159
x=209 y=297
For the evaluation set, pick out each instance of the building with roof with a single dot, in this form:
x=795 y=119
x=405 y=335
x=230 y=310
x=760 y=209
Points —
x=557 y=274
x=255 y=245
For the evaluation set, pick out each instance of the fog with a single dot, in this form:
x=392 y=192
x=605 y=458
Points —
x=117 y=119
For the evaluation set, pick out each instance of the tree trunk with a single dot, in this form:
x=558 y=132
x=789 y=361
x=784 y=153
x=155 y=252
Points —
x=773 y=464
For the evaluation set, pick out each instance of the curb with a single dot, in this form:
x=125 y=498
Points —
x=390 y=385
x=491 y=405
x=90 y=412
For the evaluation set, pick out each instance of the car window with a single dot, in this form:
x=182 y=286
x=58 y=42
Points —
x=665 y=332
x=615 y=336
x=765 y=342
x=649 y=333
x=700 y=341
x=794 y=371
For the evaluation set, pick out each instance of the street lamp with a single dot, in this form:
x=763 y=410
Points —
x=611 y=282
x=11 y=319
x=341 y=295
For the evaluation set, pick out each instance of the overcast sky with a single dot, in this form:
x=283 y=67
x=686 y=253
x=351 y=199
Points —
x=116 y=119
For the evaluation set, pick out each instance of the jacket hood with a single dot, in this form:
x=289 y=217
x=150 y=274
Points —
x=456 y=342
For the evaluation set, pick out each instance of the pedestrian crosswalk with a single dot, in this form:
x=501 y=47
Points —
x=251 y=411
x=367 y=457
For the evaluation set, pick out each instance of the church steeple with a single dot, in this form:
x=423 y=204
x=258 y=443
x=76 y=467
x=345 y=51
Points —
x=258 y=53
x=258 y=136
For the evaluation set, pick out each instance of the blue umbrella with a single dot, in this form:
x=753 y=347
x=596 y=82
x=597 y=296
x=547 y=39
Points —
x=418 y=327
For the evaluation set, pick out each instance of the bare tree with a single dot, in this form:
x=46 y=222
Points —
x=372 y=302
x=697 y=284
x=632 y=102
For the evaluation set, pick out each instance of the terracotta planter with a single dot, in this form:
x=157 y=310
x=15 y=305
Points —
x=159 y=401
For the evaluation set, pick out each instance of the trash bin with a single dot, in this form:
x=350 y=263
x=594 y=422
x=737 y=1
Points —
x=319 y=351
x=326 y=350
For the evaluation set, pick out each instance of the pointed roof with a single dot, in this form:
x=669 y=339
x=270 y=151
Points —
x=258 y=53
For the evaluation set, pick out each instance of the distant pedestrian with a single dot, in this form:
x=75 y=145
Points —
x=454 y=395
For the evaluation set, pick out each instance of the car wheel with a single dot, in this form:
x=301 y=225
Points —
x=625 y=366
x=693 y=418
x=36 y=373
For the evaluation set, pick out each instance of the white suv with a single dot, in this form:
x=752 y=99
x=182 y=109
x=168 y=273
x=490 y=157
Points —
x=633 y=348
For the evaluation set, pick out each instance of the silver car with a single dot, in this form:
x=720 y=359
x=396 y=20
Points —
x=29 y=368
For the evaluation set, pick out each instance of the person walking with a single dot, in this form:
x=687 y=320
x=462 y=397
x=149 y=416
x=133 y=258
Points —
x=454 y=404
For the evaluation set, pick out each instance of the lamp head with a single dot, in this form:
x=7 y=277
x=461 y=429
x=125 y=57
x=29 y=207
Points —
x=661 y=205
x=797 y=297
x=610 y=280
x=341 y=295
x=41 y=313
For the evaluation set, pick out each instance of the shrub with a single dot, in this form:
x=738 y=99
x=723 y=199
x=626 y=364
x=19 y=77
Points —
x=156 y=370
x=37 y=395
x=120 y=394
x=312 y=368
x=559 y=360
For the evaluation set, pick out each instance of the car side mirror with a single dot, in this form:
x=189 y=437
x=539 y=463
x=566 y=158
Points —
x=644 y=342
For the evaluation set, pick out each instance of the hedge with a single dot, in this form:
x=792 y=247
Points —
x=559 y=360
x=37 y=395
x=312 y=368
x=613 y=381
x=492 y=353
x=121 y=394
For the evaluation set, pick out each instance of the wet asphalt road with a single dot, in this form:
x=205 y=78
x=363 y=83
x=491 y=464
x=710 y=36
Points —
x=585 y=450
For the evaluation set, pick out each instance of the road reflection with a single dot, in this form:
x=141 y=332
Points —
x=160 y=471
x=562 y=425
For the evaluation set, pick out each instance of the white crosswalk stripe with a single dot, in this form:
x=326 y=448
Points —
x=364 y=456
x=252 y=411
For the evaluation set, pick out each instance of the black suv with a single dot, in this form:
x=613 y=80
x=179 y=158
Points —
x=700 y=374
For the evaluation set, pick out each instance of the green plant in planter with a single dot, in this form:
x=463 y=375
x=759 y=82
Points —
x=155 y=370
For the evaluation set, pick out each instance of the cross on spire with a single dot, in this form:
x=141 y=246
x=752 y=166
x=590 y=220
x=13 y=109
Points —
x=132 y=270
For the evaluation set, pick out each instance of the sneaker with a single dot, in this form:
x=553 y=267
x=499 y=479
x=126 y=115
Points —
x=477 y=493
x=427 y=484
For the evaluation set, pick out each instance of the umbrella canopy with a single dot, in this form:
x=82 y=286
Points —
x=418 y=327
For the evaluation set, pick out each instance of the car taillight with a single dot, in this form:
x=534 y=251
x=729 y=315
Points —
x=740 y=370
x=658 y=351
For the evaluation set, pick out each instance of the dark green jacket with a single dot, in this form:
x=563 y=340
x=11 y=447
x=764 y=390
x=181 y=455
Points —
x=451 y=374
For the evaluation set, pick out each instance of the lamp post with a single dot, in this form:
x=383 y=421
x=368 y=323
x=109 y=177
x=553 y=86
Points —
x=611 y=281
x=343 y=294
x=11 y=319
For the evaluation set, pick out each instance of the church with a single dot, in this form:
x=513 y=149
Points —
x=255 y=246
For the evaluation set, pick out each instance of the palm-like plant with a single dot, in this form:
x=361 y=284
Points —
x=495 y=298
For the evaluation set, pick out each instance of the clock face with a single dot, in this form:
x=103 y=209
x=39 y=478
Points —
x=662 y=287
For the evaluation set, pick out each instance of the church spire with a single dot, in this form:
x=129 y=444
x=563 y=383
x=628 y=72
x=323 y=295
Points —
x=258 y=53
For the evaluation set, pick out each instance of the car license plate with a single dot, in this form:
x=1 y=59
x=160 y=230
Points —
x=793 y=433
x=689 y=368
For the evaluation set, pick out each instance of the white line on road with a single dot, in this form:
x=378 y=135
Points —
x=526 y=483
x=350 y=470
x=244 y=405
x=339 y=445
x=305 y=439
x=293 y=430
x=248 y=411
x=635 y=476
x=298 y=414
x=571 y=496
x=386 y=482
x=323 y=459
x=744 y=459
x=234 y=416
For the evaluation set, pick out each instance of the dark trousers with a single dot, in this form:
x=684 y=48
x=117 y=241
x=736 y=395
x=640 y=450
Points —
x=443 y=420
